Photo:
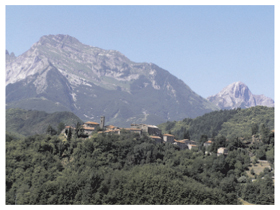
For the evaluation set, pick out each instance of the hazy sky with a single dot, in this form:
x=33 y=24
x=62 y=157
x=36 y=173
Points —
x=208 y=47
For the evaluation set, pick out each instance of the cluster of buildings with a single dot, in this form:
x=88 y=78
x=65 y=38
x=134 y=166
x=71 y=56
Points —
x=153 y=131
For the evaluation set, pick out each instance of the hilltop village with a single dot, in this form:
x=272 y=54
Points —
x=153 y=131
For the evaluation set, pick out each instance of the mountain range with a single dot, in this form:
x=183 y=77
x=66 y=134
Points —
x=59 y=73
x=238 y=95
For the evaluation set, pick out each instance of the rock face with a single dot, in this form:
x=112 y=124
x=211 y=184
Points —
x=238 y=95
x=10 y=57
x=59 y=73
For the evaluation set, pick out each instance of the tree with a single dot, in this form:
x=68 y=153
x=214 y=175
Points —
x=271 y=138
x=252 y=172
x=203 y=138
x=187 y=135
x=254 y=128
x=255 y=160
x=69 y=134
x=219 y=141
x=228 y=184
x=264 y=133
x=60 y=127
x=234 y=144
x=261 y=154
x=270 y=157
x=203 y=149
x=51 y=131
x=79 y=131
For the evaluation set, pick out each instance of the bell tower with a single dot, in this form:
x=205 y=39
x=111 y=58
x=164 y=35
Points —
x=102 y=122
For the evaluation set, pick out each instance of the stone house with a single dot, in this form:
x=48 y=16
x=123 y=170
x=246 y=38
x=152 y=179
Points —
x=168 y=138
x=150 y=129
x=134 y=130
x=187 y=141
x=191 y=146
x=110 y=127
x=88 y=130
x=114 y=131
x=91 y=124
x=89 y=127
x=181 y=143
x=222 y=151
x=207 y=143
x=157 y=139
x=192 y=142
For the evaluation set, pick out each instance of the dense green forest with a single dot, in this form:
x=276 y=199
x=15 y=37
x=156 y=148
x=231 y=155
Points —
x=127 y=169
x=229 y=123
x=21 y=122
x=131 y=169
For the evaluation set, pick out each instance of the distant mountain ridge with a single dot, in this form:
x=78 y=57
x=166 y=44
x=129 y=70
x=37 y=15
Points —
x=237 y=95
x=59 y=73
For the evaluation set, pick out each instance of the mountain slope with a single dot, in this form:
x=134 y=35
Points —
x=60 y=73
x=241 y=123
x=36 y=122
x=230 y=123
x=238 y=95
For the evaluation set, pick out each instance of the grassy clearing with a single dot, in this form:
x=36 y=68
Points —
x=258 y=168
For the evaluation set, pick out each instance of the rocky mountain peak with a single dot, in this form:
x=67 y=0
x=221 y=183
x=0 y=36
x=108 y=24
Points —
x=61 y=73
x=238 y=90
x=237 y=95
x=234 y=87
x=10 y=57
x=58 y=39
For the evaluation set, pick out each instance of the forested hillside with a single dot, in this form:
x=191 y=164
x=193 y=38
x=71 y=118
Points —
x=230 y=123
x=132 y=169
x=125 y=169
x=23 y=122
x=241 y=124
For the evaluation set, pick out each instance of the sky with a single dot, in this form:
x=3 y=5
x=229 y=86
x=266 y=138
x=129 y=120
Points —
x=208 y=47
